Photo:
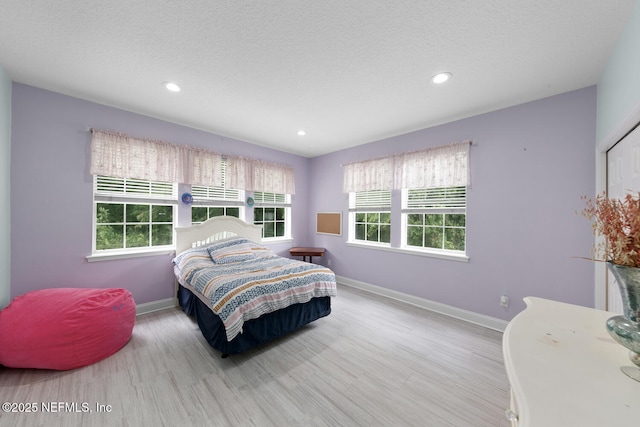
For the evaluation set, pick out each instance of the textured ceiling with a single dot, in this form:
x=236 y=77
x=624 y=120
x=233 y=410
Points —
x=347 y=72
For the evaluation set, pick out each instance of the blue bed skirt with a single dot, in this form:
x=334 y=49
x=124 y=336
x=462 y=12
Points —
x=254 y=332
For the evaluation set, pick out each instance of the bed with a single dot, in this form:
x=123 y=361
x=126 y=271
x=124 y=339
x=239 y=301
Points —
x=240 y=292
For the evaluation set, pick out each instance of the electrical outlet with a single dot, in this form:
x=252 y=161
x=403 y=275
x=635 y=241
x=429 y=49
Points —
x=504 y=301
x=329 y=262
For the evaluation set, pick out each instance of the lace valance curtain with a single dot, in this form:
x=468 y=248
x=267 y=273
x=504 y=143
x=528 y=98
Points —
x=257 y=175
x=443 y=166
x=116 y=154
x=375 y=174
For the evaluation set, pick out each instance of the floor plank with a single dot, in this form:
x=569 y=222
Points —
x=372 y=362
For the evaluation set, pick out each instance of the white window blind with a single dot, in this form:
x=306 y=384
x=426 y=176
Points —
x=109 y=188
x=436 y=200
x=262 y=198
x=374 y=200
x=202 y=195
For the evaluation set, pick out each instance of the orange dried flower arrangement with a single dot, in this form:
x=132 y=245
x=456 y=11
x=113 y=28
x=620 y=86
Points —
x=618 y=221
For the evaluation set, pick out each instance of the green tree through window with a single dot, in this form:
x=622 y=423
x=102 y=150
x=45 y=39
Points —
x=132 y=213
x=128 y=225
x=436 y=218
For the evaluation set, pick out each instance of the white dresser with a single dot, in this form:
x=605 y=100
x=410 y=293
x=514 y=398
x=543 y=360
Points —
x=564 y=369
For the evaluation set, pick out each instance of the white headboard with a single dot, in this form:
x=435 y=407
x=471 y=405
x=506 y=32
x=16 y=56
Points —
x=213 y=229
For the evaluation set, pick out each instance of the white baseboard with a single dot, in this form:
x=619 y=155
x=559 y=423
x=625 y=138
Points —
x=150 y=307
x=458 y=313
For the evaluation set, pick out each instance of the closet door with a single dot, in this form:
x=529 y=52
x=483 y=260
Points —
x=623 y=176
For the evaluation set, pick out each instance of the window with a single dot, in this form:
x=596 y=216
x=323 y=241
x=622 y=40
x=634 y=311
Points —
x=136 y=217
x=370 y=216
x=132 y=214
x=215 y=201
x=428 y=207
x=200 y=214
x=272 y=211
x=435 y=218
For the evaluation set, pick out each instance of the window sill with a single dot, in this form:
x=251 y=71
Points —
x=125 y=255
x=425 y=253
x=276 y=240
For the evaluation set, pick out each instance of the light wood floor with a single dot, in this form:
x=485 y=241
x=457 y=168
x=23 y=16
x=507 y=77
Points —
x=372 y=362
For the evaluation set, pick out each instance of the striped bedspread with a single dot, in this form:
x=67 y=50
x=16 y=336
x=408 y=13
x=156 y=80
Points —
x=242 y=280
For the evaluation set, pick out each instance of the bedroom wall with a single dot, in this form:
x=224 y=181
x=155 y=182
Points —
x=619 y=85
x=531 y=165
x=51 y=193
x=5 y=214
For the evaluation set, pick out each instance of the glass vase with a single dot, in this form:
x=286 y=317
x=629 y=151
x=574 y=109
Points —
x=625 y=329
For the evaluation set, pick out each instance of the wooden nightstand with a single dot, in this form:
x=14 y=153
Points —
x=306 y=252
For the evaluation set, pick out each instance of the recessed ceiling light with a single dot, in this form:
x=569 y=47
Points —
x=301 y=132
x=441 y=78
x=173 y=87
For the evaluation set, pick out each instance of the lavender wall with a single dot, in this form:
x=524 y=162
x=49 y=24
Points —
x=51 y=193
x=5 y=155
x=531 y=165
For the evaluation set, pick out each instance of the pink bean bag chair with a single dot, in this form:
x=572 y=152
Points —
x=65 y=328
